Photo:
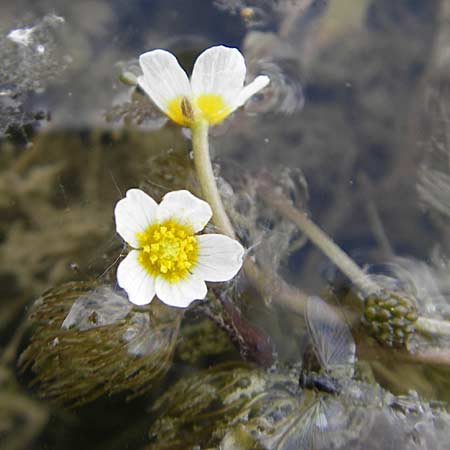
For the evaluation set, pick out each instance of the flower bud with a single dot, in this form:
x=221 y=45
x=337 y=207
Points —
x=390 y=317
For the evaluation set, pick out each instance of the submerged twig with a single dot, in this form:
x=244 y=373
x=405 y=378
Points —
x=320 y=239
x=430 y=356
x=362 y=281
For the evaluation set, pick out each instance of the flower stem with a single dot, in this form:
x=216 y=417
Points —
x=432 y=326
x=264 y=282
x=206 y=177
x=321 y=240
x=366 y=285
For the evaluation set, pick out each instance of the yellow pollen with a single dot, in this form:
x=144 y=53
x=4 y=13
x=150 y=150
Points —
x=168 y=249
x=212 y=108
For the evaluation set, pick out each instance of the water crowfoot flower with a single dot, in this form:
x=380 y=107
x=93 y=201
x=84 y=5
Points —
x=215 y=90
x=167 y=257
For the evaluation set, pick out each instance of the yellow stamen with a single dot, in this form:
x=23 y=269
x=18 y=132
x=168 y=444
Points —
x=180 y=111
x=212 y=108
x=168 y=249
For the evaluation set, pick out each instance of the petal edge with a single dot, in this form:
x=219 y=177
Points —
x=219 y=70
x=259 y=83
x=182 y=293
x=132 y=277
x=186 y=208
x=220 y=258
x=133 y=214
x=163 y=78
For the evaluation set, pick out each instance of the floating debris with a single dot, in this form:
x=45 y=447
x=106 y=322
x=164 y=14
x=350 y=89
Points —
x=31 y=59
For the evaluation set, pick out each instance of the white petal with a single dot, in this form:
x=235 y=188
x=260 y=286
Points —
x=182 y=293
x=255 y=86
x=133 y=214
x=131 y=276
x=219 y=70
x=185 y=208
x=219 y=257
x=163 y=79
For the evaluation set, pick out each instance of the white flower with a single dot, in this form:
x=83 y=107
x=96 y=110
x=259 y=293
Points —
x=215 y=90
x=167 y=257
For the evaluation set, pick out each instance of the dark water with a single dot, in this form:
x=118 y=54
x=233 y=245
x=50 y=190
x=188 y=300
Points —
x=354 y=128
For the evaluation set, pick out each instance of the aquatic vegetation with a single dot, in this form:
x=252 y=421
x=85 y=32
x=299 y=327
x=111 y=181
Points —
x=215 y=90
x=201 y=340
x=107 y=346
x=87 y=341
x=390 y=317
x=167 y=258
x=137 y=111
x=242 y=407
x=216 y=395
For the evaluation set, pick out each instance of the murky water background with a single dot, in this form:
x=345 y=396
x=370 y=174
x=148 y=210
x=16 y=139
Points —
x=354 y=127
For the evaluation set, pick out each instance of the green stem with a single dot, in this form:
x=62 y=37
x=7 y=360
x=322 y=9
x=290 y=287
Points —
x=262 y=281
x=206 y=177
x=322 y=241
x=285 y=295
x=432 y=326
x=366 y=285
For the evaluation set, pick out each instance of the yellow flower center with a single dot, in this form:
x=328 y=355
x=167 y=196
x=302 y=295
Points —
x=209 y=107
x=168 y=249
x=212 y=108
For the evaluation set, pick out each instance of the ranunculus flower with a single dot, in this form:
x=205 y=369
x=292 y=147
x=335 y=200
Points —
x=167 y=258
x=215 y=90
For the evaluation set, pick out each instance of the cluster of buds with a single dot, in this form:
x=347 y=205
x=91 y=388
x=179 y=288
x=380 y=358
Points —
x=390 y=317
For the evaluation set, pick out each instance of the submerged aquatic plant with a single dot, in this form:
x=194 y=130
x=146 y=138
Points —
x=237 y=407
x=167 y=257
x=216 y=394
x=87 y=341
